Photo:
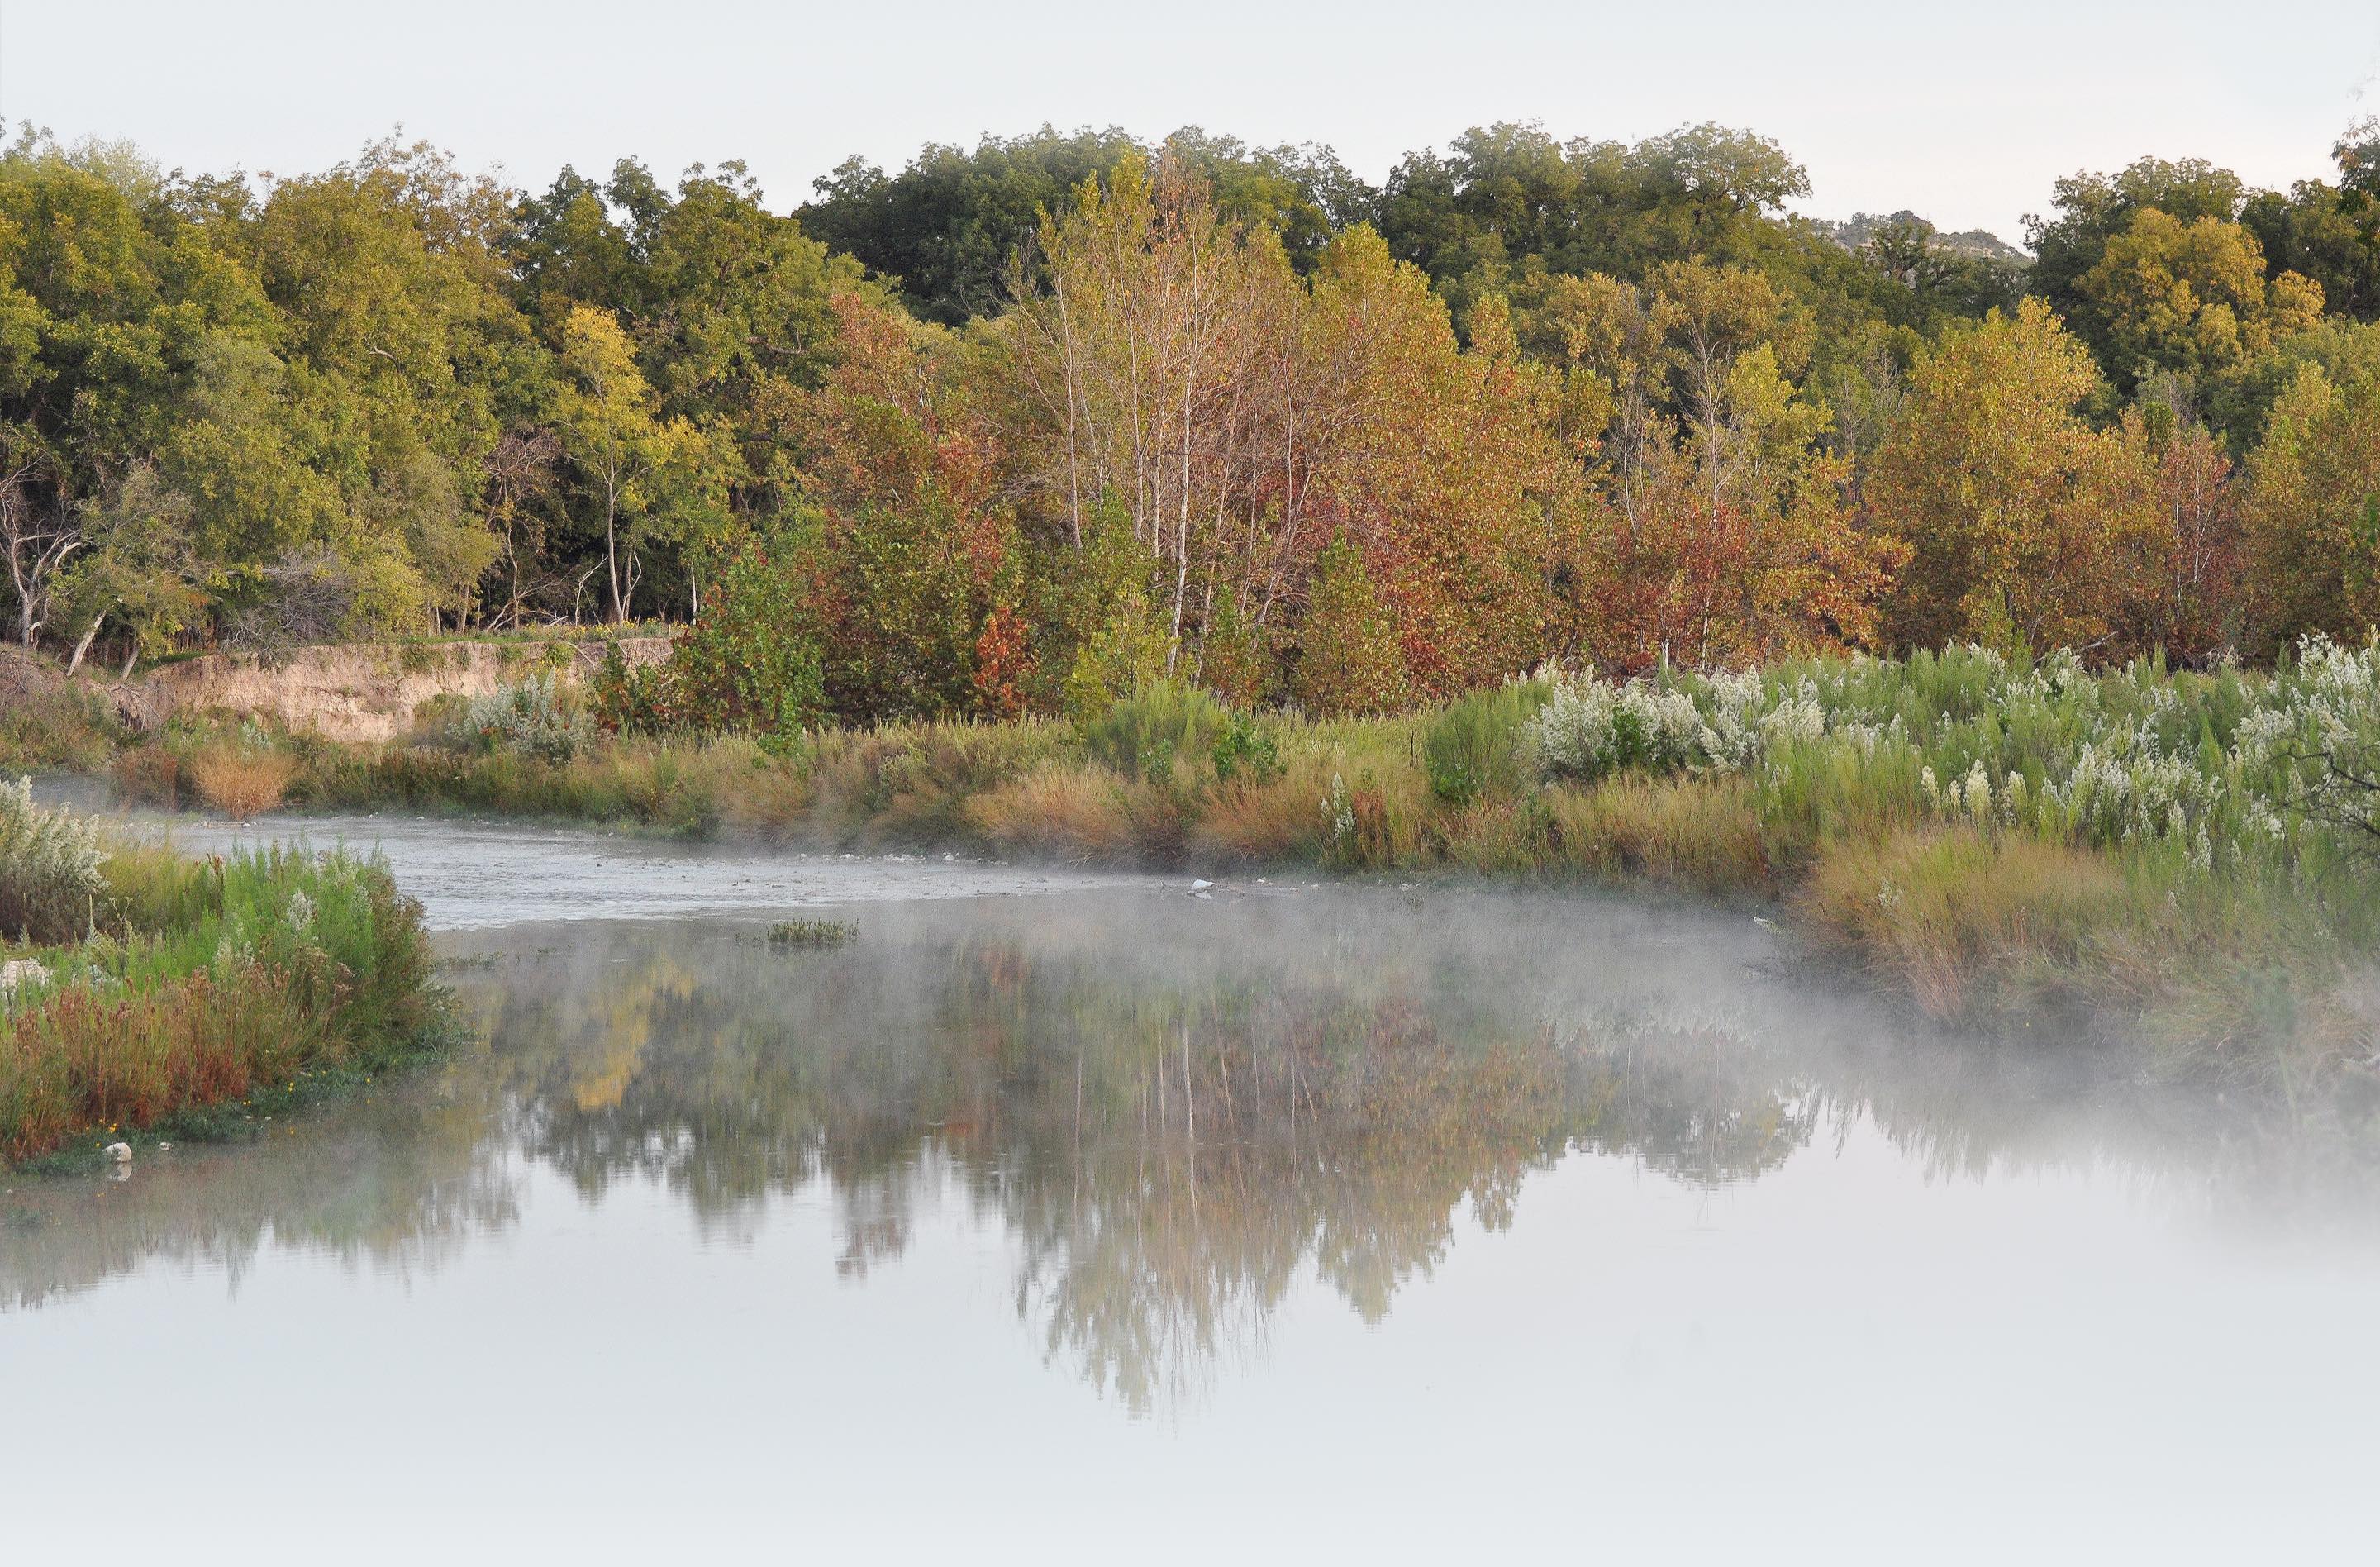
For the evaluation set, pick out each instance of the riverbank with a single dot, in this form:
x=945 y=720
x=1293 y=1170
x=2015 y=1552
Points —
x=151 y=994
x=2177 y=860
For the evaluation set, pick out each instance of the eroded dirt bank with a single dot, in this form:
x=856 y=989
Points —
x=365 y=691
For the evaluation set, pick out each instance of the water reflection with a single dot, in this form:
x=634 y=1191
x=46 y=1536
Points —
x=1176 y=1109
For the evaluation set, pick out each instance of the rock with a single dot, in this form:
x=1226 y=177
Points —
x=120 y=1152
x=20 y=971
x=1199 y=884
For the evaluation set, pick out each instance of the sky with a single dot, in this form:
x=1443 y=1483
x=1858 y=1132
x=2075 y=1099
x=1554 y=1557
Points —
x=1966 y=115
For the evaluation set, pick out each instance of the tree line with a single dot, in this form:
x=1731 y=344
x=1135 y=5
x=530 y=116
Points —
x=1022 y=426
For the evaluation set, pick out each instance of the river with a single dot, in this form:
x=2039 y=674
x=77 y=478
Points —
x=1073 y=1217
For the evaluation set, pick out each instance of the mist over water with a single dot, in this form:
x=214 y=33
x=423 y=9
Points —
x=1066 y=1217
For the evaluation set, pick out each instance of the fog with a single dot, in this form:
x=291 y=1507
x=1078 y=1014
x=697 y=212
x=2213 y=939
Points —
x=1061 y=1214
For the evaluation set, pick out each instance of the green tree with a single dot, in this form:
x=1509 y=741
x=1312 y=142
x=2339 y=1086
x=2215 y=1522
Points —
x=2330 y=234
x=2189 y=299
x=2093 y=209
x=945 y=228
x=139 y=569
x=1350 y=660
x=647 y=479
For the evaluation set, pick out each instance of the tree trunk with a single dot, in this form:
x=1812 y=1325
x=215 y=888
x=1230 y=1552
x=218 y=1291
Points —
x=612 y=550
x=83 y=648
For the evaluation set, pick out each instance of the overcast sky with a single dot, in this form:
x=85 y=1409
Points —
x=1965 y=113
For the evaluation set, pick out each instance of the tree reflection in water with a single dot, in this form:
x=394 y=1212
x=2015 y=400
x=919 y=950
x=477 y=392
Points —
x=1176 y=1109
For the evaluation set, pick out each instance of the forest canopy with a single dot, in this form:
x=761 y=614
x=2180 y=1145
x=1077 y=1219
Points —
x=1021 y=426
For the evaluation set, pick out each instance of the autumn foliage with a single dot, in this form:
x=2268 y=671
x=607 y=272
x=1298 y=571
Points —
x=1195 y=413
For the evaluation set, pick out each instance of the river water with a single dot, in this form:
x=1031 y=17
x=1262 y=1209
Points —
x=1065 y=1216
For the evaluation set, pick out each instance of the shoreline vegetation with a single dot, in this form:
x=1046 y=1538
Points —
x=1194 y=504
x=2174 y=861
x=145 y=993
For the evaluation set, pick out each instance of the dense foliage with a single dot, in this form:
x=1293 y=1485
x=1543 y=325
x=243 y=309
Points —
x=1029 y=427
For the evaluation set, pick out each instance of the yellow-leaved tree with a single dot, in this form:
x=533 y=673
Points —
x=2313 y=512
x=1720 y=530
x=1994 y=483
x=652 y=482
x=2191 y=298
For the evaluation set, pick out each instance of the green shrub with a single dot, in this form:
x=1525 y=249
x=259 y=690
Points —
x=1141 y=735
x=1246 y=752
x=635 y=699
x=529 y=717
x=441 y=719
x=1475 y=745
x=45 y=725
x=50 y=863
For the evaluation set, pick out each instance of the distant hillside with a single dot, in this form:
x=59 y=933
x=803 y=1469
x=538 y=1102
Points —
x=1854 y=232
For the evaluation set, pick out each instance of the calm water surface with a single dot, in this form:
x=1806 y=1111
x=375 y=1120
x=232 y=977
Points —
x=1073 y=1217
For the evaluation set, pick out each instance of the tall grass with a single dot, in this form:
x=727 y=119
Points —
x=1946 y=911
x=206 y=979
x=242 y=781
x=1979 y=831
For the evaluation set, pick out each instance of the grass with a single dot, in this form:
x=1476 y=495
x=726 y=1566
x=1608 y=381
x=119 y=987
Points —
x=2179 y=857
x=242 y=781
x=1073 y=811
x=1949 y=912
x=790 y=933
x=248 y=1117
x=205 y=983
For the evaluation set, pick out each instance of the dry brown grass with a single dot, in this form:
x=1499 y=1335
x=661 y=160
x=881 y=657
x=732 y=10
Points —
x=1702 y=833
x=915 y=783
x=147 y=775
x=770 y=796
x=242 y=783
x=1499 y=836
x=1249 y=821
x=1957 y=916
x=1392 y=815
x=1058 y=811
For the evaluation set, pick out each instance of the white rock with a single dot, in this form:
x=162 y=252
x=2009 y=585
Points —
x=120 y=1152
x=20 y=971
x=1195 y=886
